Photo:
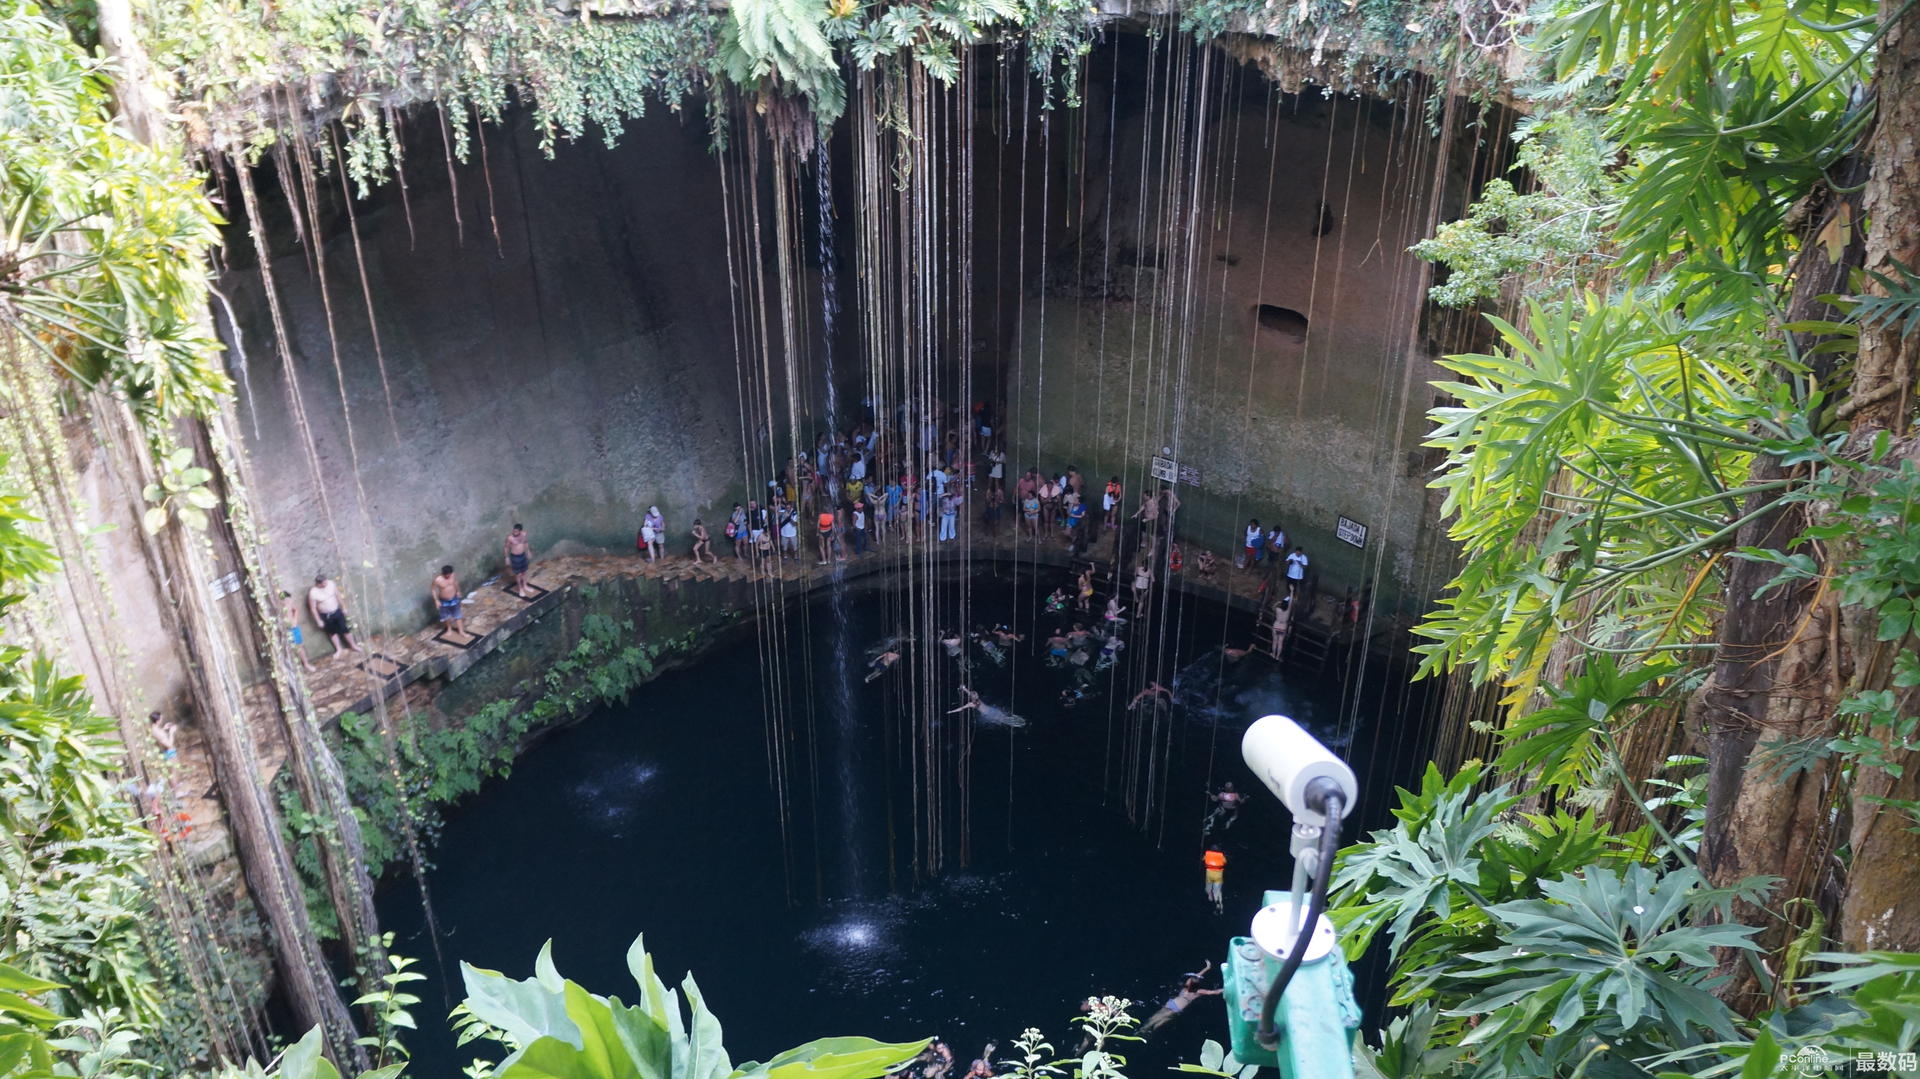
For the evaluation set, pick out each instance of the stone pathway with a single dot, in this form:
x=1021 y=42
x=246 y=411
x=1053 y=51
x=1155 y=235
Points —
x=344 y=683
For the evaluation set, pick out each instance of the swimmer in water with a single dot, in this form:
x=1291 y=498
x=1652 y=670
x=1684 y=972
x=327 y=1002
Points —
x=1190 y=991
x=1006 y=636
x=1153 y=692
x=1057 y=601
x=982 y=1066
x=941 y=1062
x=991 y=649
x=1226 y=808
x=891 y=643
x=1109 y=653
x=1234 y=655
x=972 y=701
x=1114 y=611
x=987 y=713
x=1056 y=649
x=881 y=664
x=1077 y=636
x=952 y=642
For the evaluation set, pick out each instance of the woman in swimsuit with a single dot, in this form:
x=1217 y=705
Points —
x=702 y=542
x=1190 y=991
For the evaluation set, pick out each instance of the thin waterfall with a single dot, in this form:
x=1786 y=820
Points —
x=846 y=726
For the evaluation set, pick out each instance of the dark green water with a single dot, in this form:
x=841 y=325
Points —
x=656 y=817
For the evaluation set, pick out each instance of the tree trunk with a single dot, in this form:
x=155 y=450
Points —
x=1777 y=675
x=1881 y=908
x=177 y=563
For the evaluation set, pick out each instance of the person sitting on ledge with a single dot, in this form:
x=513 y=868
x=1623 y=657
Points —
x=446 y=596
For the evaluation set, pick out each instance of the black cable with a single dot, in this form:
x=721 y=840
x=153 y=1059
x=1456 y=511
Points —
x=1316 y=906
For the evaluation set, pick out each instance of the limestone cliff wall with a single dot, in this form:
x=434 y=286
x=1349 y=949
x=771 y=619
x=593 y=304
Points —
x=567 y=375
x=1290 y=307
x=582 y=366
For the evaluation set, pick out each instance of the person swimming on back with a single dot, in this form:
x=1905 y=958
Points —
x=987 y=713
x=1190 y=991
x=881 y=664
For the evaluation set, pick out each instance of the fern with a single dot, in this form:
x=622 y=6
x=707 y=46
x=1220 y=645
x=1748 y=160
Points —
x=1899 y=306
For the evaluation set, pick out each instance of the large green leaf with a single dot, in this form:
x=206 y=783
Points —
x=835 y=1058
x=526 y=1010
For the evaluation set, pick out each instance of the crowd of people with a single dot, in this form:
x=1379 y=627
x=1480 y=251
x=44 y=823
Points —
x=864 y=488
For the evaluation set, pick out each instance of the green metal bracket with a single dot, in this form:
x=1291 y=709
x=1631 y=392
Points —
x=1316 y=1018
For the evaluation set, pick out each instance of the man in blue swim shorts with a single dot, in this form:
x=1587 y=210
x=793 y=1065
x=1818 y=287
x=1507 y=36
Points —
x=519 y=558
x=446 y=596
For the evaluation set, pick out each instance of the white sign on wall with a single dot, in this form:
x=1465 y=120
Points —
x=1351 y=531
x=1163 y=468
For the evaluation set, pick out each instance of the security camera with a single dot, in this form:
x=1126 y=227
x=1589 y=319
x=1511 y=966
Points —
x=1297 y=768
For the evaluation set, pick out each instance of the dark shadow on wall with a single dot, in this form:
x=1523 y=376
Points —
x=1282 y=322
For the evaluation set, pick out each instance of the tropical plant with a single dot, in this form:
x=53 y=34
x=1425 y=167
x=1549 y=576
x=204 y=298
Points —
x=102 y=249
x=1678 y=411
x=553 y=1028
x=1541 y=241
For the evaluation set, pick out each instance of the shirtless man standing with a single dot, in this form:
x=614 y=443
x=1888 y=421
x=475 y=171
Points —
x=519 y=558
x=446 y=596
x=329 y=613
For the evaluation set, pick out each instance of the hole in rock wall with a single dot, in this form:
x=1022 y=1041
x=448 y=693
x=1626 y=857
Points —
x=1290 y=325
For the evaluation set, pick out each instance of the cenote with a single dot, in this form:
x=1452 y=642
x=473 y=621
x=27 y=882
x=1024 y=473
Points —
x=657 y=817
x=529 y=426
